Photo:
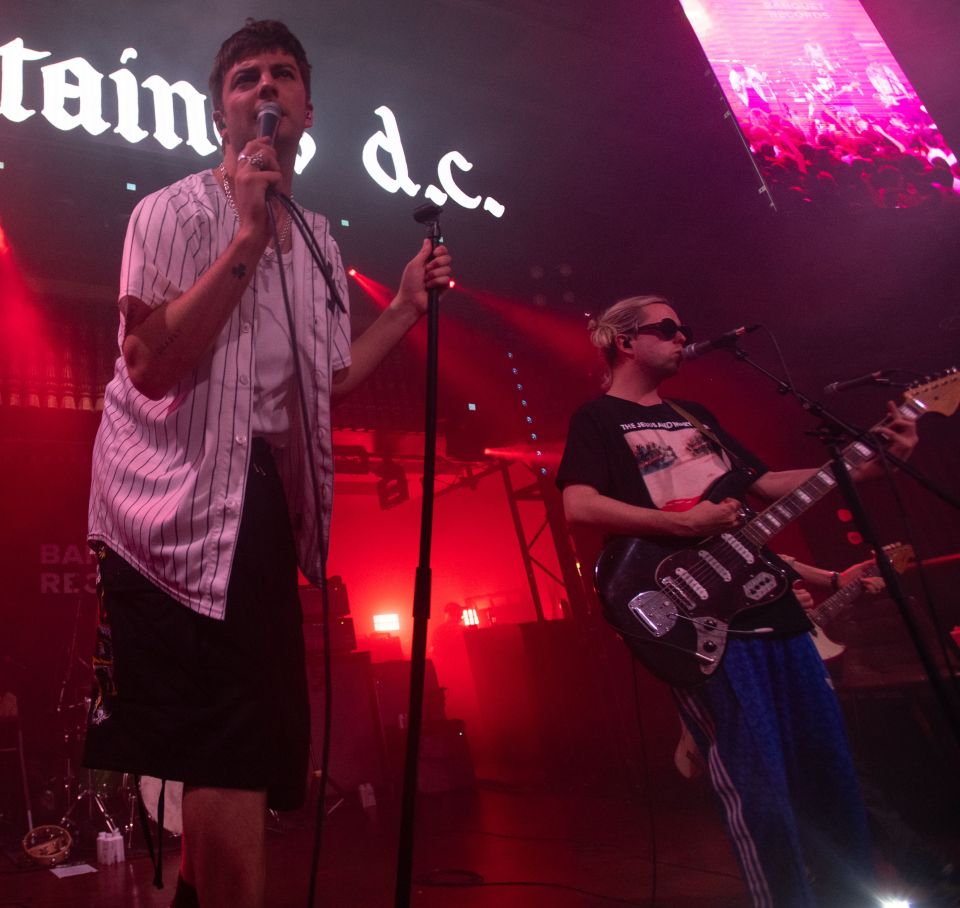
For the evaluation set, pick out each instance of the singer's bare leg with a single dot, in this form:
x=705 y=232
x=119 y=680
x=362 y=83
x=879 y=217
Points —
x=223 y=846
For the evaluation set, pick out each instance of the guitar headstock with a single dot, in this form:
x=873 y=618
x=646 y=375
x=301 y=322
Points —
x=938 y=393
x=901 y=555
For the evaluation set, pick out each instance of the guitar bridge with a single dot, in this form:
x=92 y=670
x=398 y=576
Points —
x=656 y=611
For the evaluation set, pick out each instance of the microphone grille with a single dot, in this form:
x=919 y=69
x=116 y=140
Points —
x=269 y=108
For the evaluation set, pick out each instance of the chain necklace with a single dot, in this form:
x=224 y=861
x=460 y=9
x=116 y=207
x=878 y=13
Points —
x=284 y=230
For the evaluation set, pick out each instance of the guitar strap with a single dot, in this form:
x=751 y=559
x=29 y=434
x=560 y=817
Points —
x=735 y=459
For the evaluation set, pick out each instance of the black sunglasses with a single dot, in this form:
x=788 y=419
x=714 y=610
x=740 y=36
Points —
x=667 y=329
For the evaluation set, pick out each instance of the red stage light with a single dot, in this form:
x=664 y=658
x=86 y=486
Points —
x=379 y=293
x=385 y=623
x=453 y=283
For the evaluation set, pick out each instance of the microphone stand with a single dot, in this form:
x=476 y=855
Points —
x=833 y=430
x=429 y=216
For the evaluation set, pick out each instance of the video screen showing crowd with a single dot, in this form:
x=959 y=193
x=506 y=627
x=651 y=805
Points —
x=826 y=110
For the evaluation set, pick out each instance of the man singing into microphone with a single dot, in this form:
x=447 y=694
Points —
x=766 y=721
x=202 y=503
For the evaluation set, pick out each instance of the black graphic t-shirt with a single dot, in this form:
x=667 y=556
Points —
x=655 y=458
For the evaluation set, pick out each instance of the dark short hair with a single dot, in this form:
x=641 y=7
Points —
x=256 y=36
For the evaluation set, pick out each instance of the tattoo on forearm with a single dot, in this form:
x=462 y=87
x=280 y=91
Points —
x=238 y=271
x=170 y=340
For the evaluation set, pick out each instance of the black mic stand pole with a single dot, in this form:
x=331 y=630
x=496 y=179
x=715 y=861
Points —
x=428 y=215
x=832 y=431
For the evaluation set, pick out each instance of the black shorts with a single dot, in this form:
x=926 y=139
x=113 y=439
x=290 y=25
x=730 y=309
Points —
x=182 y=696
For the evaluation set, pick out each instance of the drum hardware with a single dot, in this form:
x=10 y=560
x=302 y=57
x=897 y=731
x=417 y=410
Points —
x=335 y=792
x=86 y=810
x=89 y=798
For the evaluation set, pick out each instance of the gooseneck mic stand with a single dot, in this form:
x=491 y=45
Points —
x=429 y=215
x=833 y=431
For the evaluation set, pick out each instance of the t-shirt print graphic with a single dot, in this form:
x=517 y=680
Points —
x=676 y=461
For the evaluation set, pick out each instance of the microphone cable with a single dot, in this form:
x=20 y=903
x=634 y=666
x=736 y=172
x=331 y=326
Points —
x=333 y=297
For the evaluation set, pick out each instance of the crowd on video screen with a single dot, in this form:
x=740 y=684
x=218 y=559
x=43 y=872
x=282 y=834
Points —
x=821 y=134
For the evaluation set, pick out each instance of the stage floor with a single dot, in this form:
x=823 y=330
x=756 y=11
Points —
x=531 y=848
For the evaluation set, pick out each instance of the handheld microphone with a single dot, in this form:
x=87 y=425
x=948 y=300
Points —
x=692 y=351
x=268 y=120
x=871 y=378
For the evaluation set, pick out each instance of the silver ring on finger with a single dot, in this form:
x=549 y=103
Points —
x=242 y=158
x=256 y=160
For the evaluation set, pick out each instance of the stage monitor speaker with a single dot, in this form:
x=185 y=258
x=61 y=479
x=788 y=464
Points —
x=343 y=639
x=311 y=598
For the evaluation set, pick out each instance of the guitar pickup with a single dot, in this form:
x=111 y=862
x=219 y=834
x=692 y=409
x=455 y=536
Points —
x=688 y=578
x=717 y=567
x=760 y=585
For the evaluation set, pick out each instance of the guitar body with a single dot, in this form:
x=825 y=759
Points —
x=655 y=593
x=702 y=584
x=827 y=649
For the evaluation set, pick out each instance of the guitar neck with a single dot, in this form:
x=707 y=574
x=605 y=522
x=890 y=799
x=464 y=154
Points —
x=785 y=510
x=827 y=610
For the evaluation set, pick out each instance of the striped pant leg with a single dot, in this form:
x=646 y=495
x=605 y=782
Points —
x=736 y=731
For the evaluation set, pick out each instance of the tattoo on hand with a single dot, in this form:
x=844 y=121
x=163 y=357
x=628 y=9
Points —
x=238 y=271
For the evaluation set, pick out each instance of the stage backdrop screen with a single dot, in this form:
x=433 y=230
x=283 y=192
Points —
x=827 y=112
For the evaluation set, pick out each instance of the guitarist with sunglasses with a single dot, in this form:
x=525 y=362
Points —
x=766 y=719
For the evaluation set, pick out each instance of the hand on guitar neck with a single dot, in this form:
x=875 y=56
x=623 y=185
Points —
x=867 y=586
x=819 y=578
x=899 y=434
x=858 y=581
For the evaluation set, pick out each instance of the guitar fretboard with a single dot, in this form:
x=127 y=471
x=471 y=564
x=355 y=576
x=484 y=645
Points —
x=829 y=608
x=774 y=518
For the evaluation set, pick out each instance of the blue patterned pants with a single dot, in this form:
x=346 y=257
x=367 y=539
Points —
x=771 y=732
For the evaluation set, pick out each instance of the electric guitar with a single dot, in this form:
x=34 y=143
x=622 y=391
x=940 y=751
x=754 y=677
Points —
x=900 y=556
x=672 y=601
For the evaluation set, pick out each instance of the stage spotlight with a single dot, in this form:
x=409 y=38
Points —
x=894 y=903
x=471 y=617
x=352 y=272
x=344 y=222
x=386 y=623
x=453 y=283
